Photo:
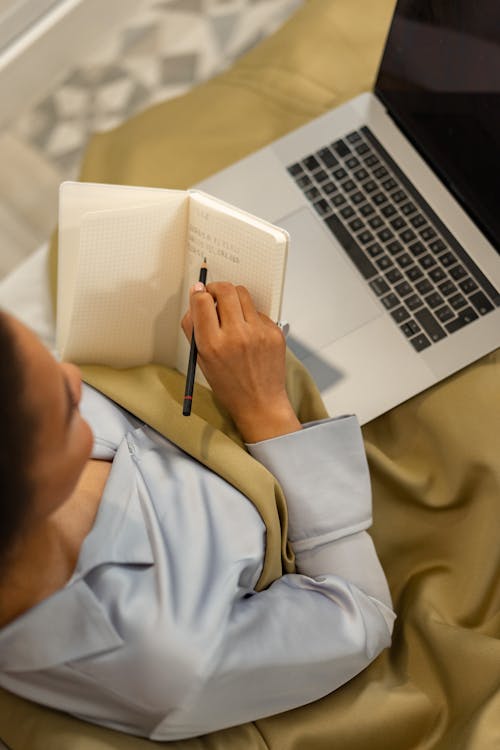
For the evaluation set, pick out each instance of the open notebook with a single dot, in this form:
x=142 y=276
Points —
x=128 y=256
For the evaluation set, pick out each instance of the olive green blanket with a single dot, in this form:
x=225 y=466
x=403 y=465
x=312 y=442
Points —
x=435 y=461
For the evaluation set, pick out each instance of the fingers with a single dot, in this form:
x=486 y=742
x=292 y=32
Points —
x=201 y=315
x=217 y=306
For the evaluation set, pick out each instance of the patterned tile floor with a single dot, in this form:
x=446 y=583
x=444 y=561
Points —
x=169 y=46
x=166 y=47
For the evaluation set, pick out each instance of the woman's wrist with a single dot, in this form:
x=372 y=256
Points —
x=267 y=421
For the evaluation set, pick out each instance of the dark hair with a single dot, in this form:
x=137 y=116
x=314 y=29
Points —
x=17 y=442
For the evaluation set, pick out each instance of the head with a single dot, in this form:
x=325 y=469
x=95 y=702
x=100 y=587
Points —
x=44 y=441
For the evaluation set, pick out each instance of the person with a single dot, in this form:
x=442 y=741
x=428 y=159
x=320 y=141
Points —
x=128 y=570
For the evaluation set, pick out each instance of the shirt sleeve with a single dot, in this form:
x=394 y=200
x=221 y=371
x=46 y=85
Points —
x=312 y=631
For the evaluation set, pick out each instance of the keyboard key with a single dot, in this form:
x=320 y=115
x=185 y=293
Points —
x=385 y=235
x=338 y=200
x=408 y=236
x=468 y=285
x=353 y=137
x=437 y=246
x=353 y=250
x=427 y=233
x=427 y=261
x=464 y=318
x=379 y=286
x=399 y=196
x=365 y=237
x=457 y=272
x=445 y=313
x=295 y=169
x=447 y=259
x=361 y=174
x=394 y=275
x=413 y=302
x=356 y=224
x=408 y=208
x=357 y=198
x=417 y=248
x=376 y=222
x=352 y=162
x=362 y=149
x=329 y=188
x=389 y=184
x=424 y=287
x=341 y=148
x=390 y=301
x=394 y=247
x=389 y=211
x=366 y=210
x=400 y=314
x=370 y=186
x=311 y=163
x=414 y=273
x=371 y=161
x=379 y=199
x=420 y=342
x=437 y=274
x=380 y=173
x=481 y=303
x=404 y=260
x=320 y=175
x=374 y=249
x=430 y=324
x=312 y=193
x=348 y=186
x=457 y=301
x=403 y=289
x=339 y=173
x=417 y=221
x=447 y=287
x=303 y=181
x=384 y=262
x=410 y=328
x=434 y=300
x=347 y=212
x=328 y=159
x=397 y=223
x=322 y=207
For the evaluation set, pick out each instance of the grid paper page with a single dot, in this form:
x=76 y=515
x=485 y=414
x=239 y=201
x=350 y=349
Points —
x=236 y=251
x=127 y=301
x=239 y=252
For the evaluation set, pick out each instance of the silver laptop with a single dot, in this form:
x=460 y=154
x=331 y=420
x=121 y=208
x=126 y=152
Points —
x=392 y=202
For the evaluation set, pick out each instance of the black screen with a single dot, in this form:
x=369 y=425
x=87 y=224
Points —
x=440 y=80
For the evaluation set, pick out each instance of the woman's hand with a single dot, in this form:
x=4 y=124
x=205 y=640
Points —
x=242 y=355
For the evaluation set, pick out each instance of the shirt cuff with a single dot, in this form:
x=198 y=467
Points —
x=324 y=474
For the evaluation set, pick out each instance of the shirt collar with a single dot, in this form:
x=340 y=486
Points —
x=72 y=623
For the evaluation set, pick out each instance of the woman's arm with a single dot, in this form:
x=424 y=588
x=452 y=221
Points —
x=312 y=631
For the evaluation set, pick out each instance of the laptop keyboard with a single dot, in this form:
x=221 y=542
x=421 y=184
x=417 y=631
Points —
x=412 y=263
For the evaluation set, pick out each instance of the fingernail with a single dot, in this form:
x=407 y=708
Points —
x=198 y=287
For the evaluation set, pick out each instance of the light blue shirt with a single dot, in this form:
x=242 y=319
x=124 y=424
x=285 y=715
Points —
x=160 y=632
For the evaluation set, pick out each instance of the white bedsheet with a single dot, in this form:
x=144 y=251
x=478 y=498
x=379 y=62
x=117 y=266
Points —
x=25 y=294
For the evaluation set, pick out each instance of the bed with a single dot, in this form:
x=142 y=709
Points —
x=434 y=460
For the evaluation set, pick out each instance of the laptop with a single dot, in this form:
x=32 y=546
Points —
x=392 y=202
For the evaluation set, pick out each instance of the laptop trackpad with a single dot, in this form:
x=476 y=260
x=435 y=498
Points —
x=325 y=297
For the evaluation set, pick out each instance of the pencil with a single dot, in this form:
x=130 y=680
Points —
x=193 y=355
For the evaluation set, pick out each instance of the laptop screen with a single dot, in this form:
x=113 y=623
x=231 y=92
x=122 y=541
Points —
x=440 y=80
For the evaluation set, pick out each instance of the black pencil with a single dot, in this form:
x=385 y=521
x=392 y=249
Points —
x=193 y=355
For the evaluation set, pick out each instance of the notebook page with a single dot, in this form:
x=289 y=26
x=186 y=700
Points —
x=126 y=303
x=239 y=248
x=76 y=199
